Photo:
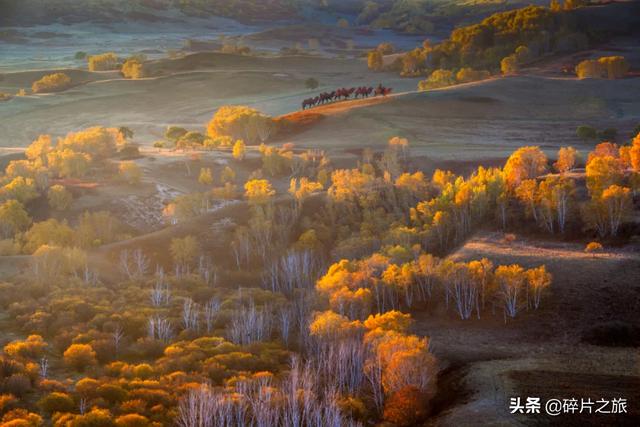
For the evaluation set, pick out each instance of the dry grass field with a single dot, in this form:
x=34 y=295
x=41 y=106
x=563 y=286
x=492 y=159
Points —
x=483 y=120
x=184 y=91
x=544 y=353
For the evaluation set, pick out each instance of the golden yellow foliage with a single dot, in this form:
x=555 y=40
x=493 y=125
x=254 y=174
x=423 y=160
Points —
x=238 y=151
x=103 y=62
x=303 y=188
x=79 y=356
x=466 y=75
x=610 y=67
x=602 y=172
x=525 y=163
x=51 y=83
x=33 y=347
x=258 y=191
x=14 y=218
x=330 y=325
x=133 y=69
x=37 y=151
x=567 y=157
x=240 y=122
x=390 y=321
x=593 y=247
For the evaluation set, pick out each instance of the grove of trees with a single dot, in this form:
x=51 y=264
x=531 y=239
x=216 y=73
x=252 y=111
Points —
x=296 y=311
x=606 y=67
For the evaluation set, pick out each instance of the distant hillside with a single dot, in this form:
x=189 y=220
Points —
x=24 y=12
x=415 y=16
x=419 y=16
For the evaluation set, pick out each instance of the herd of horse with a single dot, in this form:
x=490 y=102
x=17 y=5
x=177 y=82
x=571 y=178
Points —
x=344 y=94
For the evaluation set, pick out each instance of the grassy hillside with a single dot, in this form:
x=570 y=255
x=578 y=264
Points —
x=68 y=11
x=415 y=16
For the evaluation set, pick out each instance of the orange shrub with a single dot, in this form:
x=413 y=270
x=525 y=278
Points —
x=405 y=407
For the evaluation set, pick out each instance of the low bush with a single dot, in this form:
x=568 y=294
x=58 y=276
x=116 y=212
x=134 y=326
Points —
x=52 y=83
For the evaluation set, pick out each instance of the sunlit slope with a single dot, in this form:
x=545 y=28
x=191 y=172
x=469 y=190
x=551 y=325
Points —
x=485 y=119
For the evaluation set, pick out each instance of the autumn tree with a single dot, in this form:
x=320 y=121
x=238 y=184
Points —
x=405 y=360
x=413 y=62
x=103 y=62
x=132 y=420
x=538 y=280
x=608 y=210
x=227 y=175
x=67 y=163
x=56 y=402
x=205 y=177
x=37 y=151
x=329 y=325
x=239 y=149
x=560 y=194
x=303 y=188
x=184 y=252
x=438 y=79
x=511 y=284
x=634 y=153
x=52 y=263
x=389 y=321
x=33 y=347
x=611 y=67
x=406 y=407
x=49 y=232
x=602 y=172
x=276 y=161
x=133 y=68
x=13 y=218
x=481 y=272
x=96 y=228
x=467 y=75
x=97 y=142
x=79 y=356
x=375 y=60
x=258 y=191
x=21 y=189
x=59 y=197
x=240 y=122
x=567 y=159
x=51 y=83
x=525 y=163
x=509 y=65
